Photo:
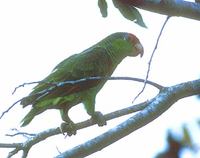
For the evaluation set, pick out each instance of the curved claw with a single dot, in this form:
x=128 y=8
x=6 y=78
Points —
x=68 y=128
x=99 y=118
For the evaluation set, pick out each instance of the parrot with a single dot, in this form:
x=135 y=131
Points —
x=99 y=60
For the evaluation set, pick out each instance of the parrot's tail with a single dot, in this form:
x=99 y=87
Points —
x=28 y=118
x=28 y=100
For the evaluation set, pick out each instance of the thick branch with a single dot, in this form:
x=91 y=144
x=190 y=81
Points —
x=150 y=110
x=26 y=146
x=168 y=7
x=158 y=105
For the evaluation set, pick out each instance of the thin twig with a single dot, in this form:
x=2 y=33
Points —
x=17 y=132
x=158 y=86
x=150 y=60
x=60 y=84
x=29 y=83
x=13 y=145
x=6 y=111
x=21 y=133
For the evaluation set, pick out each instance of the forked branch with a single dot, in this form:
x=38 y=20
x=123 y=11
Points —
x=158 y=105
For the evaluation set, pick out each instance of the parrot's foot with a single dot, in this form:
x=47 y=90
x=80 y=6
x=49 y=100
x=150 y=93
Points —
x=99 y=118
x=69 y=128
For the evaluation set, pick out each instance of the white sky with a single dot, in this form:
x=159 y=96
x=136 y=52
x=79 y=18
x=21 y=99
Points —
x=37 y=35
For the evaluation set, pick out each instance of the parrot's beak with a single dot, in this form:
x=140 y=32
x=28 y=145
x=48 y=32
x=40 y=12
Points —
x=139 y=49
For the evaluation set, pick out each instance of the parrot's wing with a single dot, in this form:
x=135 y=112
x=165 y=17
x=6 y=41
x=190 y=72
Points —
x=93 y=62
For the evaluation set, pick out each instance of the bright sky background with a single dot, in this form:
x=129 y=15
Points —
x=37 y=35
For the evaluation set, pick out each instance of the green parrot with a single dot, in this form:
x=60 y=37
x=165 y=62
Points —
x=100 y=60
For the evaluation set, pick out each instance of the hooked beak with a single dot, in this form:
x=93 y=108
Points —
x=139 y=48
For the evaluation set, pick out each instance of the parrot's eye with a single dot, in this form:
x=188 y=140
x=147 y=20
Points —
x=126 y=37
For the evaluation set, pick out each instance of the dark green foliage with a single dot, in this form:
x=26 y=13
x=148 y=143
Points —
x=103 y=7
x=126 y=9
x=129 y=12
x=175 y=144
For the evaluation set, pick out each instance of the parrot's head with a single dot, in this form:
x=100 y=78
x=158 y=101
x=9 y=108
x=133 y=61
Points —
x=137 y=48
x=123 y=44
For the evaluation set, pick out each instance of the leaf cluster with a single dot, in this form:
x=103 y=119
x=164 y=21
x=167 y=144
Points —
x=128 y=11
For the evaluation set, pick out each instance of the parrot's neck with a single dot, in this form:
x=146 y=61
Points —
x=115 y=57
x=116 y=51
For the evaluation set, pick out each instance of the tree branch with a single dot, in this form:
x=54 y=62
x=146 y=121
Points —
x=151 y=59
x=17 y=132
x=149 y=111
x=36 y=138
x=55 y=85
x=158 y=105
x=72 y=82
x=168 y=7
x=6 y=145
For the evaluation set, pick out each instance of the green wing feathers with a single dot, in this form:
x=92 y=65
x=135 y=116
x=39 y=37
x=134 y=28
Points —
x=91 y=63
x=96 y=62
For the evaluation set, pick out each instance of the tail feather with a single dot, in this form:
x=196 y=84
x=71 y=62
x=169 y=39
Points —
x=28 y=100
x=29 y=117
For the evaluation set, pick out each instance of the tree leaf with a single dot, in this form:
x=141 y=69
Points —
x=187 y=140
x=103 y=7
x=129 y=12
